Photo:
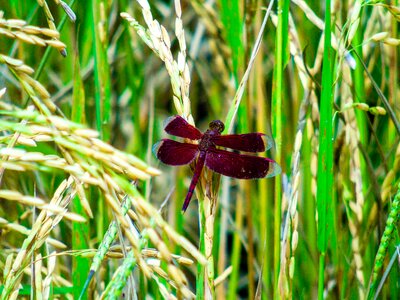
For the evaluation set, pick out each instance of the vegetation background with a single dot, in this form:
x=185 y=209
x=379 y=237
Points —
x=85 y=87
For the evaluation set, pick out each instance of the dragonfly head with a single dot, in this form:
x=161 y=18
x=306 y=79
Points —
x=217 y=125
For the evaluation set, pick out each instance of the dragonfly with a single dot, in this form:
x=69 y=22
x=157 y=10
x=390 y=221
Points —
x=206 y=152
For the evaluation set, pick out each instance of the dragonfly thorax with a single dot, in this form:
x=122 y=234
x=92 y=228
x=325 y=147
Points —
x=206 y=141
x=215 y=129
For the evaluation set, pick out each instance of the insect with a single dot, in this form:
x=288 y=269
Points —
x=224 y=162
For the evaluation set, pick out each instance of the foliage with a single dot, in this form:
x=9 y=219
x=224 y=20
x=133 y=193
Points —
x=85 y=210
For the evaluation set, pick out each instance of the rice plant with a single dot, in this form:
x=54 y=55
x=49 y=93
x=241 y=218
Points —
x=87 y=210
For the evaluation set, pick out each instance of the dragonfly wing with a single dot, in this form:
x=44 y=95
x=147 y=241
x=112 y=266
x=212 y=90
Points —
x=178 y=126
x=250 y=142
x=239 y=165
x=175 y=153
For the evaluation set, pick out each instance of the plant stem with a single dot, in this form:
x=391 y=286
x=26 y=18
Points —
x=278 y=85
x=207 y=210
x=325 y=153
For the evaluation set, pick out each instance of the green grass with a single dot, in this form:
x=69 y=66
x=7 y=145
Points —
x=325 y=154
x=86 y=208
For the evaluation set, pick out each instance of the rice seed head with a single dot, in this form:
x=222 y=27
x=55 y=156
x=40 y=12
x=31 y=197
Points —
x=45 y=228
x=392 y=41
x=56 y=44
x=14 y=295
x=86 y=133
x=18 y=260
x=2 y=92
x=13 y=62
x=165 y=37
x=38 y=41
x=15 y=23
x=148 y=18
x=40 y=89
x=29 y=29
x=178 y=9
x=355 y=13
x=291 y=266
x=377 y=37
x=178 y=28
x=68 y=10
x=181 y=62
x=7 y=33
x=298 y=141
x=295 y=240
x=50 y=33
x=156 y=30
x=176 y=274
x=32 y=201
x=144 y=4
x=353 y=29
x=56 y=243
x=7 y=266
x=361 y=106
x=125 y=16
x=183 y=260
x=25 y=69
x=153 y=171
x=103 y=146
x=74 y=217
x=24 y=37
x=177 y=105
x=186 y=74
x=377 y=110
x=10 y=195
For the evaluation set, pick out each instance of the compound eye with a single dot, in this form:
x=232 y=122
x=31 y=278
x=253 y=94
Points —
x=217 y=125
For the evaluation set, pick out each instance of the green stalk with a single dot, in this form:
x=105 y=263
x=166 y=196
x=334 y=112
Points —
x=244 y=188
x=265 y=205
x=307 y=246
x=360 y=96
x=101 y=70
x=230 y=15
x=281 y=54
x=236 y=247
x=393 y=72
x=232 y=20
x=80 y=231
x=325 y=153
x=207 y=194
x=102 y=88
x=201 y=278
x=200 y=275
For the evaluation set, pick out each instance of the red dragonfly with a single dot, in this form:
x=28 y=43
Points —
x=221 y=161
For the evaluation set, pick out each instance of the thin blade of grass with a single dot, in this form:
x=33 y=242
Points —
x=325 y=153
